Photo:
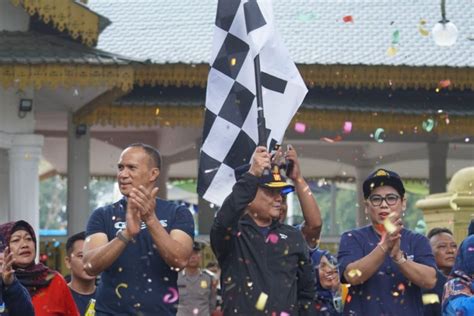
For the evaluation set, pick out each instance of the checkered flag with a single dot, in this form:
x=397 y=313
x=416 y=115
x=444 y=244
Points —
x=244 y=29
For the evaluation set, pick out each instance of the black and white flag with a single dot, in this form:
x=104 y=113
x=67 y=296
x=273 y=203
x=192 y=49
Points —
x=243 y=30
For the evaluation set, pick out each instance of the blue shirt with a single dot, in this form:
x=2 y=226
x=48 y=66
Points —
x=139 y=281
x=82 y=301
x=388 y=292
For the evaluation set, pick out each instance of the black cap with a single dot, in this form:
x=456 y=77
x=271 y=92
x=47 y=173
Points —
x=273 y=180
x=380 y=178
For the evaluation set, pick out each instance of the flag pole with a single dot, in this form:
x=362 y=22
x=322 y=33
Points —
x=261 y=126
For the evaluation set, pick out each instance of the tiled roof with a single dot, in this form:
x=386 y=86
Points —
x=36 y=48
x=314 y=31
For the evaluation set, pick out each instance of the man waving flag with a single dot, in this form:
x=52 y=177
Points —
x=244 y=30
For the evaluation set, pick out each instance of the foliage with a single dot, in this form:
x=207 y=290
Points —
x=53 y=199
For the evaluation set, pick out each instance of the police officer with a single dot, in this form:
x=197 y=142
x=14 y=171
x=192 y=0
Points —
x=197 y=293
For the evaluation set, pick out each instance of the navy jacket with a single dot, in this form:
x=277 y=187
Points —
x=275 y=266
x=15 y=300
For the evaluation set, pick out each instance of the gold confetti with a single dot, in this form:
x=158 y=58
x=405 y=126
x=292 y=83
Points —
x=261 y=302
x=421 y=29
x=354 y=272
x=203 y=284
x=392 y=51
x=430 y=299
x=157 y=111
x=124 y=285
x=233 y=61
x=389 y=226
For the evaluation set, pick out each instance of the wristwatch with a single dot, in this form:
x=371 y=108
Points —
x=122 y=237
x=402 y=259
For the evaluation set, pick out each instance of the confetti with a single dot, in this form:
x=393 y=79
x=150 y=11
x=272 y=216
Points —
x=300 y=127
x=284 y=314
x=389 y=226
x=233 y=61
x=430 y=299
x=306 y=16
x=396 y=37
x=203 y=284
x=444 y=84
x=401 y=287
x=421 y=29
x=349 y=298
x=124 y=285
x=348 y=19
x=467 y=140
x=347 y=128
x=428 y=125
x=332 y=140
x=171 y=297
x=195 y=311
x=354 y=272
x=211 y=170
x=379 y=135
x=392 y=51
x=261 y=302
x=272 y=238
x=157 y=111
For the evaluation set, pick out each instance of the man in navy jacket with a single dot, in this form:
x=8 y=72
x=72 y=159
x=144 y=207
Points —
x=265 y=264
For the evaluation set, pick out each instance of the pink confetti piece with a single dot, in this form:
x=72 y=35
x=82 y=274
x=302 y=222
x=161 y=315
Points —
x=347 y=128
x=172 y=297
x=444 y=84
x=273 y=238
x=300 y=127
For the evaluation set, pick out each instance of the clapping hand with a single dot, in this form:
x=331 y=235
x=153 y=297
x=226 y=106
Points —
x=145 y=202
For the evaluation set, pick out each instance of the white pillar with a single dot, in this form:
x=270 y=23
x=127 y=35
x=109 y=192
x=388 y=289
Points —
x=24 y=155
x=4 y=186
x=78 y=161
x=362 y=172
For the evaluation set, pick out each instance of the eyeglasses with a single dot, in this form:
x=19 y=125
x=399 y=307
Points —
x=377 y=200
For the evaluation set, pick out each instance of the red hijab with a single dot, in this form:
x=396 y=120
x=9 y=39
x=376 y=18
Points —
x=36 y=275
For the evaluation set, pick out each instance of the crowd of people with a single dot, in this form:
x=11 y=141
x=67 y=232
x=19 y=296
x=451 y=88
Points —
x=137 y=256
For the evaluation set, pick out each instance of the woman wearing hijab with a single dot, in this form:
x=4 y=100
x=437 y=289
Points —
x=328 y=287
x=14 y=298
x=48 y=290
x=458 y=295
